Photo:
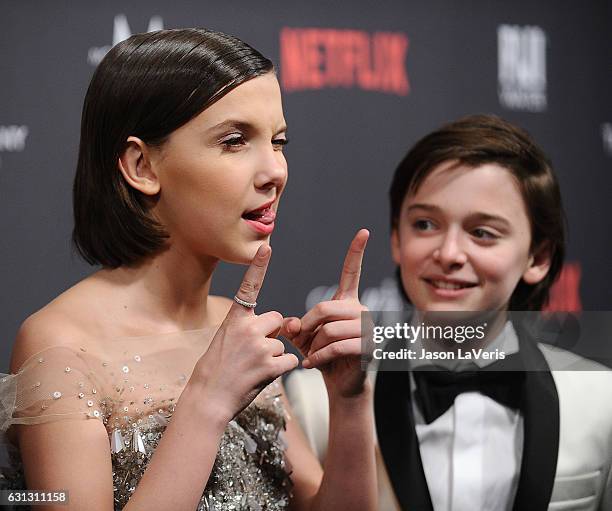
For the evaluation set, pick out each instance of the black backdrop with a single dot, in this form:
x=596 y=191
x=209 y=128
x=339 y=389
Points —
x=351 y=114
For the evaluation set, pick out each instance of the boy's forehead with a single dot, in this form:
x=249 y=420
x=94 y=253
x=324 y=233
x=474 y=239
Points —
x=488 y=188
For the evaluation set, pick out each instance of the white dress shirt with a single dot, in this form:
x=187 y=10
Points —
x=472 y=453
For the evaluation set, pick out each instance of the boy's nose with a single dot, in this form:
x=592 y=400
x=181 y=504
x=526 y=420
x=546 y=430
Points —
x=450 y=254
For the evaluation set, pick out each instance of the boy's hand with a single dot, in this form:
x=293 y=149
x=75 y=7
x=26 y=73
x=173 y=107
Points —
x=330 y=334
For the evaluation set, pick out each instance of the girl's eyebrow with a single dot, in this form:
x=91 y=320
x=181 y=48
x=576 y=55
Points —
x=230 y=123
x=477 y=215
x=241 y=125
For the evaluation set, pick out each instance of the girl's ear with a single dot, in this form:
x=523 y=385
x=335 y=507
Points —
x=395 y=246
x=135 y=165
x=538 y=264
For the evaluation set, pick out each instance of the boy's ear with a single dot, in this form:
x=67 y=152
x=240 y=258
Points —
x=538 y=264
x=395 y=246
x=135 y=165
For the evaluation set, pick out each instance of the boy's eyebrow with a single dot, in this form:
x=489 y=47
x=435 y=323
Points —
x=487 y=217
x=427 y=207
x=476 y=215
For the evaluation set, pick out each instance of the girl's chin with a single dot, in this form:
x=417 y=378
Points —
x=245 y=255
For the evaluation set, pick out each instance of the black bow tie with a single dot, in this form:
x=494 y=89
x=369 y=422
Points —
x=437 y=389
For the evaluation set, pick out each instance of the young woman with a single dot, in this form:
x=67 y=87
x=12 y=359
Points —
x=136 y=389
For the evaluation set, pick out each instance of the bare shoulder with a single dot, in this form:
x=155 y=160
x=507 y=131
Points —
x=61 y=322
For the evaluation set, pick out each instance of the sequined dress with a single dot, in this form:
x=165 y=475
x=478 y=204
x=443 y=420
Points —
x=132 y=385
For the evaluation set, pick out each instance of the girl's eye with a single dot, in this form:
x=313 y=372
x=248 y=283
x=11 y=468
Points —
x=423 y=225
x=279 y=143
x=483 y=234
x=233 y=141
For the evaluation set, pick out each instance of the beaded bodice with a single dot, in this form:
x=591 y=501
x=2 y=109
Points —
x=133 y=387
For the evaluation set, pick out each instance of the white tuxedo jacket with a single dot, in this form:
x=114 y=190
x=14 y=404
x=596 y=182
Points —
x=569 y=437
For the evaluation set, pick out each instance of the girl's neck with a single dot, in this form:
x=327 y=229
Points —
x=169 y=290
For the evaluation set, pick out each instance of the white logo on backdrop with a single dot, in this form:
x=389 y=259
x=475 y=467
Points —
x=121 y=31
x=384 y=298
x=12 y=138
x=521 y=67
x=606 y=133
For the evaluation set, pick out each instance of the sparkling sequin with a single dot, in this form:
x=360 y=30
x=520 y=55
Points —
x=137 y=358
x=125 y=369
x=41 y=360
x=249 y=473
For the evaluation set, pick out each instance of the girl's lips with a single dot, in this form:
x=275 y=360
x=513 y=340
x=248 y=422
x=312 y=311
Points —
x=260 y=226
x=261 y=220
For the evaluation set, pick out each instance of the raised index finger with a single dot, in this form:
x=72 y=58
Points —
x=251 y=282
x=351 y=270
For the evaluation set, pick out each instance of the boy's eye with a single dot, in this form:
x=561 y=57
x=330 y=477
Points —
x=423 y=225
x=484 y=234
x=279 y=143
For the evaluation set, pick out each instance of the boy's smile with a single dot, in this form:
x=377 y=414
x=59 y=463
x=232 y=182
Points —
x=463 y=239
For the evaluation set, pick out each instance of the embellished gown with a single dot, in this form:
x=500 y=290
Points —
x=132 y=385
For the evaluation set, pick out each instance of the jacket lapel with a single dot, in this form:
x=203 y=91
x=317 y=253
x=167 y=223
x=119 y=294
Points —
x=398 y=441
x=540 y=409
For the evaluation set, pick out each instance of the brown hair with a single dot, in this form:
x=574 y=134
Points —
x=147 y=86
x=479 y=139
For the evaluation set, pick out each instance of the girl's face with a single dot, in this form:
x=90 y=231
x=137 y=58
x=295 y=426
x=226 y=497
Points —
x=221 y=174
x=463 y=240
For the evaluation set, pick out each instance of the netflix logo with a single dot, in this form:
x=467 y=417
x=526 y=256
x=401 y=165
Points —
x=565 y=293
x=315 y=58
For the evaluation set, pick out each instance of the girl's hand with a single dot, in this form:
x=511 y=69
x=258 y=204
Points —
x=244 y=355
x=330 y=335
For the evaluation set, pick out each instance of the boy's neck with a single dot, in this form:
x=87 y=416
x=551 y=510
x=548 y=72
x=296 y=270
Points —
x=490 y=323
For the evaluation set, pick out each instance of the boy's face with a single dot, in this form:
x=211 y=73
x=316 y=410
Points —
x=463 y=240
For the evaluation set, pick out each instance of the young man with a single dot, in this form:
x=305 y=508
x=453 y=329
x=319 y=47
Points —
x=477 y=225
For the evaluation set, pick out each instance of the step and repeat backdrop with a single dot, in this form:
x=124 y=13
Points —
x=362 y=81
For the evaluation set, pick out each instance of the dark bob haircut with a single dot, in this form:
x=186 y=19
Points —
x=482 y=139
x=147 y=86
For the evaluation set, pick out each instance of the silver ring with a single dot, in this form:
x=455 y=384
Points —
x=248 y=305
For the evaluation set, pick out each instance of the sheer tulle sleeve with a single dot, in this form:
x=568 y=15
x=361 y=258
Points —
x=60 y=382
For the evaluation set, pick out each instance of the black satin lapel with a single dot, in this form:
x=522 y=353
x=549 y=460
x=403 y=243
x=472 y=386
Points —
x=540 y=408
x=398 y=441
